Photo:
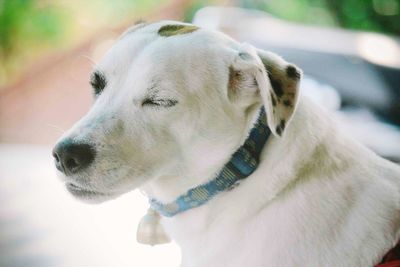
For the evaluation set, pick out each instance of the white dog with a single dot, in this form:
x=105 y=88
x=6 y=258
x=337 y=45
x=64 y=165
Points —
x=174 y=109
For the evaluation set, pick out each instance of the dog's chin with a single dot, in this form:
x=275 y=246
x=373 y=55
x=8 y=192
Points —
x=88 y=196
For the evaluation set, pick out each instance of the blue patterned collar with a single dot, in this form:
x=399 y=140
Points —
x=243 y=163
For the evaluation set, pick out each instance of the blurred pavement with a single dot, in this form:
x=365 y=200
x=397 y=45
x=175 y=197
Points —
x=42 y=225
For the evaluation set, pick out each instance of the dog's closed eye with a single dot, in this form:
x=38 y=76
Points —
x=98 y=81
x=159 y=102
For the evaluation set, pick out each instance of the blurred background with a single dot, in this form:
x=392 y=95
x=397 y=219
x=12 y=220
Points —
x=349 y=51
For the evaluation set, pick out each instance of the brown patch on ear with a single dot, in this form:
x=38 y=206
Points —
x=287 y=103
x=276 y=85
x=171 y=30
x=280 y=92
x=281 y=127
x=292 y=72
x=273 y=100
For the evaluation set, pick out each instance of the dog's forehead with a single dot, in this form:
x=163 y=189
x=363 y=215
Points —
x=165 y=44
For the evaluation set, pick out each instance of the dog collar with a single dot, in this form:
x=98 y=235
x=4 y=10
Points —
x=242 y=163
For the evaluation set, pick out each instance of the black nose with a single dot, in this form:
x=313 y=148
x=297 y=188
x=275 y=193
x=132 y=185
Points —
x=73 y=157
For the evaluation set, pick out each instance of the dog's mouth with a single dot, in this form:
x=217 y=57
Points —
x=85 y=194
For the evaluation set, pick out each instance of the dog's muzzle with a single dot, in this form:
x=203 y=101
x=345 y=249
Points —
x=71 y=157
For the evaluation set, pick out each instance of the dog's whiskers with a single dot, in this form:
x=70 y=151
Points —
x=91 y=60
x=61 y=130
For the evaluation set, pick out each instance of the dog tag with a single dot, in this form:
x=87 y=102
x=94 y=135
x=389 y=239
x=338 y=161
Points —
x=150 y=230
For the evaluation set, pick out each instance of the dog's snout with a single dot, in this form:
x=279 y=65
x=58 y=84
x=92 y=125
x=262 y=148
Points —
x=73 y=157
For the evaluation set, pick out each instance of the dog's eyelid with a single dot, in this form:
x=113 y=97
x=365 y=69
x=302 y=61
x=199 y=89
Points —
x=98 y=81
x=159 y=102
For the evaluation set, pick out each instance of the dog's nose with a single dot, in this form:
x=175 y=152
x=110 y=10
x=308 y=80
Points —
x=73 y=157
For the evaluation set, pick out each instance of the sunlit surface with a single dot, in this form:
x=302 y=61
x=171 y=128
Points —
x=42 y=225
x=379 y=49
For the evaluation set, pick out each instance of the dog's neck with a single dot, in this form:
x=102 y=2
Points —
x=167 y=189
x=267 y=183
x=273 y=175
x=241 y=165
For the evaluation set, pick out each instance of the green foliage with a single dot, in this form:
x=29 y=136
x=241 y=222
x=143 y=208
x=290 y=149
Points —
x=30 y=28
x=25 y=21
x=367 y=15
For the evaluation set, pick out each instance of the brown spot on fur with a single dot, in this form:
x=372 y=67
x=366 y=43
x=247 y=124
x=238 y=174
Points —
x=279 y=129
x=171 y=30
x=282 y=124
x=233 y=78
x=287 y=103
x=255 y=83
x=292 y=72
x=273 y=100
x=276 y=86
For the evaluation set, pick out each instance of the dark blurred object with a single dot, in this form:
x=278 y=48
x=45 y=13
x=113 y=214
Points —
x=392 y=77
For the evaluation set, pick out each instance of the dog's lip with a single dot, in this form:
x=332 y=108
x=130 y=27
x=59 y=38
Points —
x=80 y=191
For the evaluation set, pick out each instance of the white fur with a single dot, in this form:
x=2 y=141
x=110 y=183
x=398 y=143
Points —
x=318 y=197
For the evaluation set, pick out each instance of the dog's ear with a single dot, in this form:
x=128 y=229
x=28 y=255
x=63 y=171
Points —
x=261 y=73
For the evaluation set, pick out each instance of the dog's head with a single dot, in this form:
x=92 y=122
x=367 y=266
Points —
x=171 y=100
